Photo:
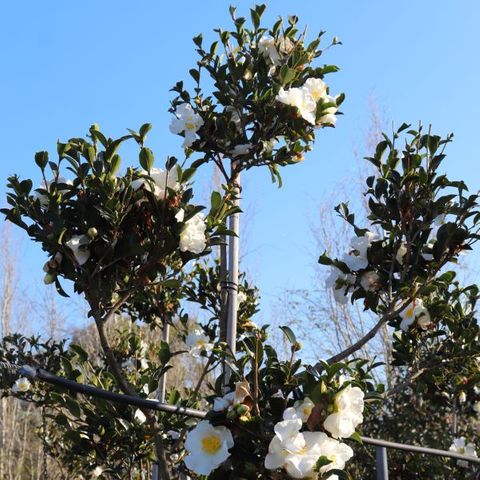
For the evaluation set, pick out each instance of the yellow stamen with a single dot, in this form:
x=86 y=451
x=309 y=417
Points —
x=211 y=444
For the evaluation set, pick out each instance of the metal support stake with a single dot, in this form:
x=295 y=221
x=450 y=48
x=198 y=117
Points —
x=382 y=463
x=233 y=259
x=161 y=392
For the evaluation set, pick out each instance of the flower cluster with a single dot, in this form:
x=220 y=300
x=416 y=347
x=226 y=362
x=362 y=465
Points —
x=312 y=102
x=298 y=453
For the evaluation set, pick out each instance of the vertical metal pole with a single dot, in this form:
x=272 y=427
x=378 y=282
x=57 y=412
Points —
x=162 y=384
x=163 y=379
x=233 y=259
x=382 y=463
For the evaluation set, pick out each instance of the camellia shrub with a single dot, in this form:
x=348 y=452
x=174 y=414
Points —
x=132 y=242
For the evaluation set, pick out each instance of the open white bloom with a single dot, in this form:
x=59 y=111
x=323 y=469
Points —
x=230 y=400
x=97 y=472
x=42 y=198
x=301 y=100
x=316 y=88
x=356 y=258
x=192 y=237
x=415 y=311
x=335 y=277
x=241 y=297
x=347 y=412
x=207 y=447
x=241 y=149
x=370 y=281
x=198 y=342
x=459 y=445
x=267 y=47
x=160 y=181
x=303 y=408
x=78 y=245
x=187 y=122
x=22 y=385
x=338 y=453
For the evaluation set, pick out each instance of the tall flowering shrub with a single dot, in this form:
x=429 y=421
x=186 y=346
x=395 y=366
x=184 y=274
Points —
x=131 y=241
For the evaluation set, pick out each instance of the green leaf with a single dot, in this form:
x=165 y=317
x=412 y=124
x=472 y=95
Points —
x=144 y=129
x=325 y=259
x=164 y=354
x=115 y=164
x=289 y=335
x=216 y=200
x=255 y=18
x=287 y=75
x=195 y=74
x=146 y=159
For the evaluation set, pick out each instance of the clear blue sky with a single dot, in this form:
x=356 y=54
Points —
x=65 y=65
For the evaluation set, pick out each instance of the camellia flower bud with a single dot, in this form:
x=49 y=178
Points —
x=92 y=232
x=49 y=278
x=462 y=397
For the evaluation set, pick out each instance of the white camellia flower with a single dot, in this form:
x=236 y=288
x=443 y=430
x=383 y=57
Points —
x=370 y=281
x=198 y=342
x=459 y=445
x=347 y=412
x=356 y=258
x=339 y=292
x=298 y=452
x=160 y=181
x=303 y=408
x=97 y=472
x=338 y=453
x=242 y=149
x=230 y=400
x=267 y=48
x=192 y=237
x=78 y=245
x=187 y=122
x=207 y=447
x=42 y=198
x=415 y=311
x=301 y=100
x=22 y=385
x=241 y=297
x=316 y=88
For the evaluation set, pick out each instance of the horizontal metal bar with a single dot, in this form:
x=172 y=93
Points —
x=39 y=373
x=415 y=449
